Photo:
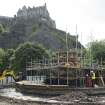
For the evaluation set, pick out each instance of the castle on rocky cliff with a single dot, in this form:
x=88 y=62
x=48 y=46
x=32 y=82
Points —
x=36 y=13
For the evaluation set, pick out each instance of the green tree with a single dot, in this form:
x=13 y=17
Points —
x=2 y=53
x=25 y=52
x=97 y=50
x=6 y=59
x=34 y=28
x=1 y=28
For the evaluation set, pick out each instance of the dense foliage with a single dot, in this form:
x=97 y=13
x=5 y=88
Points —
x=16 y=59
x=96 y=51
x=2 y=53
x=7 y=58
x=25 y=52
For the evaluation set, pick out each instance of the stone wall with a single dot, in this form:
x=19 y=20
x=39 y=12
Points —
x=37 y=13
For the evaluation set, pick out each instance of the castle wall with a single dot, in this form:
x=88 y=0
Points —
x=38 y=13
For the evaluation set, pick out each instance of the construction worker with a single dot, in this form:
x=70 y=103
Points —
x=88 y=82
x=93 y=78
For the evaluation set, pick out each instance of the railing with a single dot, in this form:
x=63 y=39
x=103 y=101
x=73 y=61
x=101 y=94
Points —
x=54 y=65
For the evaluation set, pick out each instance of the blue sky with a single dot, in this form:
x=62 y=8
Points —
x=89 y=15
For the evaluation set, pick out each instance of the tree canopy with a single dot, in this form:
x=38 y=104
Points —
x=27 y=51
x=2 y=53
x=98 y=50
x=6 y=59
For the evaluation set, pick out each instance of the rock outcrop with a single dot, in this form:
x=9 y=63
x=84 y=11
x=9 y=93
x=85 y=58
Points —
x=33 y=25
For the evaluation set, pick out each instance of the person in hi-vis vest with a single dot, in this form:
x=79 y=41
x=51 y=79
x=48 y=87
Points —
x=93 y=78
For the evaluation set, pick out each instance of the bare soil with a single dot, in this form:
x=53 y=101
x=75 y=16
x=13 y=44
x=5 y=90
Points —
x=74 y=98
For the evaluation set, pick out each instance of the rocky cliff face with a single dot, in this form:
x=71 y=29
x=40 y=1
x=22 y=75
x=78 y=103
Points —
x=33 y=25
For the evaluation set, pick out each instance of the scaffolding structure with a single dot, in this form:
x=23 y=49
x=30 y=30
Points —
x=62 y=69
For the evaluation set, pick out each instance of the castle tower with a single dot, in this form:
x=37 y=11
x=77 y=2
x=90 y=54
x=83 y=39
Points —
x=45 y=5
x=36 y=14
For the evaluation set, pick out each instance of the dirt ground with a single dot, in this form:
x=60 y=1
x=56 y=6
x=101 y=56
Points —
x=19 y=102
x=10 y=101
x=75 y=98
